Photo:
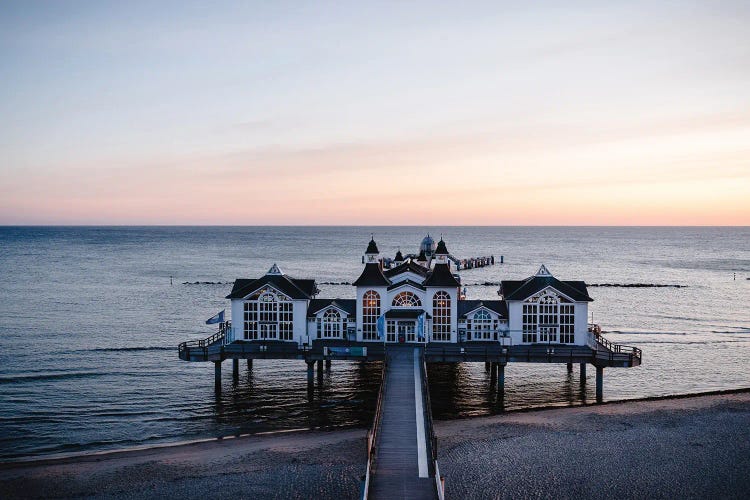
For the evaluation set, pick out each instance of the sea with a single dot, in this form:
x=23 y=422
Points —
x=90 y=320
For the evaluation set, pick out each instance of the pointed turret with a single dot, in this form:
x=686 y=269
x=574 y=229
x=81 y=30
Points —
x=441 y=253
x=441 y=273
x=372 y=275
x=372 y=253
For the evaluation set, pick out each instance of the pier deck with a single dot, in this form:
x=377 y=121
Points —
x=402 y=460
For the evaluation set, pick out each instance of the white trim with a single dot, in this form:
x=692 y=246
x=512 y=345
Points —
x=268 y=285
x=322 y=309
x=549 y=287
x=491 y=311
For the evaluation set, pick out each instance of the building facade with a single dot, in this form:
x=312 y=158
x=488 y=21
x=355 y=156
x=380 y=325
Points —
x=419 y=300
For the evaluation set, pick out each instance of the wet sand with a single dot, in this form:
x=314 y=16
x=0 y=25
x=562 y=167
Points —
x=685 y=447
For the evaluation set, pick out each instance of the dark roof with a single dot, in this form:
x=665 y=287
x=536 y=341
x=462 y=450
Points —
x=499 y=306
x=405 y=313
x=406 y=282
x=422 y=256
x=316 y=305
x=372 y=247
x=522 y=290
x=441 y=248
x=407 y=267
x=441 y=276
x=372 y=275
x=399 y=256
x=296 y=289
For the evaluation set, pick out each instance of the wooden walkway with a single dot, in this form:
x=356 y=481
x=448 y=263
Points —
x=402 y=457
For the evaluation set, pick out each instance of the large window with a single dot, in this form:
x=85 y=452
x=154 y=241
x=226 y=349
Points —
x=330 y=325
x=549 y=318
x=406 y=299
x=548 y=322
x=441 y=317
x=481 y=326
x=530 y=322
x=268 y=315
x=370 y=314
x=567 y=320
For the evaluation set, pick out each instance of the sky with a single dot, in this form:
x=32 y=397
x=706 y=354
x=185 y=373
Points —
x=367 y=113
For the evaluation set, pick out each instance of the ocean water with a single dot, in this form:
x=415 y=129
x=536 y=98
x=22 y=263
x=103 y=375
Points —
x=89 y=326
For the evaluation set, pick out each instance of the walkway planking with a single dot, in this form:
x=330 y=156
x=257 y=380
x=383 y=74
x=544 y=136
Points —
x=401 y=459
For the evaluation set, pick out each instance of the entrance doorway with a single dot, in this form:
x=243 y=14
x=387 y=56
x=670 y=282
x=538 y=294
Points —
x=406 y=331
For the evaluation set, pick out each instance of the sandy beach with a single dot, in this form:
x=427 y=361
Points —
x=686 y=447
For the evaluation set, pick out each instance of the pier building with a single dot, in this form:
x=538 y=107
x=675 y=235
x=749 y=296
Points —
x=406 y=315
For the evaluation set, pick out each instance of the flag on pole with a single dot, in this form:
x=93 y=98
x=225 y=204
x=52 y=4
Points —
x=420 y=327
x=381 y=326
x=217 y=318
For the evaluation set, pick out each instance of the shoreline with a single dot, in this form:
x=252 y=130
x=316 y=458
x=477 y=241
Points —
x=96 y=455
x=687 y=446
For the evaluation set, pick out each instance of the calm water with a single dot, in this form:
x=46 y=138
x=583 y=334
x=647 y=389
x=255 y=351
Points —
x=89 y=326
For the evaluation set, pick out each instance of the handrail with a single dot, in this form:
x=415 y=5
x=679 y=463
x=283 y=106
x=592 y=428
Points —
x=373 y=432
x=204 y=343
x=439 y=487
x=428 y=407
x=614 y=348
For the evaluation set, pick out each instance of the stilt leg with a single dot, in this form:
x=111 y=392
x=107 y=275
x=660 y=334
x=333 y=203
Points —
x=310 y=374
x=487 y=366
x=493 y=373
x=217 y=376
x=235 y=369
x=583 y=373
x=320 y=369
x=501 y=378
x=249 y=364
x=328 y=365
x=599 y=384
x=570 y=367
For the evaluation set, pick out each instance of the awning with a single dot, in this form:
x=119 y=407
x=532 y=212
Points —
x=405 y=314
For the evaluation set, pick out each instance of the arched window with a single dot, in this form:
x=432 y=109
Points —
x=441 y=317
x=330 y=325
x=370 y=314
x=406 y=299
x=268 y=315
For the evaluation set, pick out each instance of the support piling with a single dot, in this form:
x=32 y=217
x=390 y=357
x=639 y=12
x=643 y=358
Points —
x=570 y=367
x=501 y=378
x=217 y=376
x=328 y=365
x=599 y=384
x=583 y=373
x=310 y=373
x=249 y=364
x=235 y=369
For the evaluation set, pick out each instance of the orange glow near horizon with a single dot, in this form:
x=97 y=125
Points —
x=633 y=114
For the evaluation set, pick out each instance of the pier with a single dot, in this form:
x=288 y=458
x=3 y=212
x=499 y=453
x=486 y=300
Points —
x=401 y=446
x=406 y=317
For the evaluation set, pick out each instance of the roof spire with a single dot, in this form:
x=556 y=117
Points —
x=275 y=270
x=372 y=247
x=543 y=271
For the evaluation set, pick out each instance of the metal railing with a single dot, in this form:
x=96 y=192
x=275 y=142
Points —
x=205 y=343
x=372 y=434
x=596 y=340
x=439 y=486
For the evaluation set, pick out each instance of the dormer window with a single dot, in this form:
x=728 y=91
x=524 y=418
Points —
x=406 y=299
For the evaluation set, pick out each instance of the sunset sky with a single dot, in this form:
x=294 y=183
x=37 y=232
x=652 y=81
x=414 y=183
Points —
x=491 y=113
